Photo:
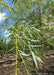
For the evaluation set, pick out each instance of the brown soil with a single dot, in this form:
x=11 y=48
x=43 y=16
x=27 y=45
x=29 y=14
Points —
x=47 y=69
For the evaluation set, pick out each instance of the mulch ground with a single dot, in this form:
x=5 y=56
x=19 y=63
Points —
x=48 y=68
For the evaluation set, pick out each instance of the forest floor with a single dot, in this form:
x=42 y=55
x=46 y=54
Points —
x=8 y=68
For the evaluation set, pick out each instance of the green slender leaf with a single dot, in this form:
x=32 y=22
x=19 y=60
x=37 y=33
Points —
x=32 y=68
x=27 y=61
x=19 y=71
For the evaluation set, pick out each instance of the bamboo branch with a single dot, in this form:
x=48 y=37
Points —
x=16 y=57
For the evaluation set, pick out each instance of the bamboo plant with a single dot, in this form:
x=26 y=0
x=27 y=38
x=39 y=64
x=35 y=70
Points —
x=26 y=27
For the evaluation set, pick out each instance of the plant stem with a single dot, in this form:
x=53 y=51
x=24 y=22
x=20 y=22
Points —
x=42 y=42
x=16 y=57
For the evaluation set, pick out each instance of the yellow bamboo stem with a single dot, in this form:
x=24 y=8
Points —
x=23 y=61
x=42 y=41
x=43 y=52
x=16 y=57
